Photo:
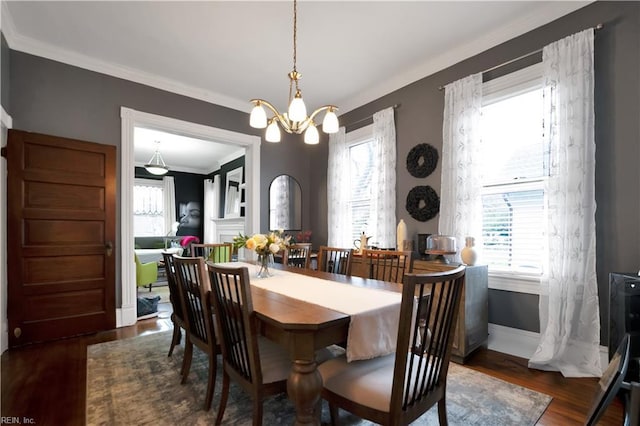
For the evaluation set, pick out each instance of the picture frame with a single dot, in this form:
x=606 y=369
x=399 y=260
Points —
x=233 y=193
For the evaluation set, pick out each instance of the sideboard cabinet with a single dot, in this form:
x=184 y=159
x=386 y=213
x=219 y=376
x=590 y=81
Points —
x=472 y=326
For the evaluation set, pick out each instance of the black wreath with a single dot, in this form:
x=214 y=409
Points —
x=423 y=203
x=422 y=160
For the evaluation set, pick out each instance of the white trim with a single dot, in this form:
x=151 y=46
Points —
x=512 y=84
x=5 y=123
x=126 y=315
x=512 y=341
x=522 y=343
x=363 y=134
x=229 y=158
x=515 y=284
x=6 y=118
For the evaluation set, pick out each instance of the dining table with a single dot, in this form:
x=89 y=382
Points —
x=304 y=325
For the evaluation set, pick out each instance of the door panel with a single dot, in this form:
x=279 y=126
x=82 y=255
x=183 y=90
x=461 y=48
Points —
x=61 y=219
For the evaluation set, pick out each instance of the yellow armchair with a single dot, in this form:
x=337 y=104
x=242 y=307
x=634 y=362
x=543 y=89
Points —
x=146 y=273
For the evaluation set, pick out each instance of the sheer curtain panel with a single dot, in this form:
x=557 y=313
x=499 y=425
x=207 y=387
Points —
x=338 y=190
x=460 y=199
x=383 y=200
x=169 y=197
x=569 y=312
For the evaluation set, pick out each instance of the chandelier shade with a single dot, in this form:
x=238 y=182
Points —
x=295 y=120
x=156 y=165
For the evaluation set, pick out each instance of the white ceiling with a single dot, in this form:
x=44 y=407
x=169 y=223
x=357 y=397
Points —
x=227 y=53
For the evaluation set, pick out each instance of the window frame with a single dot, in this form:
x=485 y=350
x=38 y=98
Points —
x=496 y=90
x=152 y=183
x=354 y=138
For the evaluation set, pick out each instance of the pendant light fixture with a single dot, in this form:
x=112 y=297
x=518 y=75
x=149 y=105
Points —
x=156 y=165
x=296 y=120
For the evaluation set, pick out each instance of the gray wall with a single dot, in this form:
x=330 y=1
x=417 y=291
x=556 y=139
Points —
x=617 y=96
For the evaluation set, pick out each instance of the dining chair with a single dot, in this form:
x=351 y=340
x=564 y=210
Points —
x=260 y=366
x=214 y=252
x=387 y=265
x=297 y=255
x=146 y=273
x=398 y=388
x=335 y=260
x=177 y=315
x=193 y=287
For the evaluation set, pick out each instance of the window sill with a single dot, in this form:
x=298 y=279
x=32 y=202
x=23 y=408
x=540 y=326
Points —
x=514 y=283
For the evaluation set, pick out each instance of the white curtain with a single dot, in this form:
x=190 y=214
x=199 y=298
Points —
x=460 y=201
x=569 y=313
x=211 y=208
x=383 y=200
x=280 y=203
x=169 y=208
x=338 y=216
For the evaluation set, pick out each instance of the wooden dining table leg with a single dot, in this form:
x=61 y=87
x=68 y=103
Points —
x=304 y=387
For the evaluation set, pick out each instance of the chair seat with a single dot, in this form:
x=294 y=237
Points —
x=366 y=382
x=275 y=361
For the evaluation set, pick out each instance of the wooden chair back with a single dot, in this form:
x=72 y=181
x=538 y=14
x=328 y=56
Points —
x=241 y=345
x=335 y=260
x=420 y=378
x=177 y=314
x=297 y=255
x=214 y=252
x=172 y=282
x=387 y=265
x=414 y=378
x=194 y=290
x=231 y=300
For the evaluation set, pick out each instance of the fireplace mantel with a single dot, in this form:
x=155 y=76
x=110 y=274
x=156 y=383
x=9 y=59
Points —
x=228 y=228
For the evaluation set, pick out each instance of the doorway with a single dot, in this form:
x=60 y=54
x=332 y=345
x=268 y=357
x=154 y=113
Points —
x=126 y=314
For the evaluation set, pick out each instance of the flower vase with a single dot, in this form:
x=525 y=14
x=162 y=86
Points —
x=265 y=262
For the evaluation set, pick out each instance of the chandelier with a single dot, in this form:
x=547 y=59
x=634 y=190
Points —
x=296 y=119
x=156 y=165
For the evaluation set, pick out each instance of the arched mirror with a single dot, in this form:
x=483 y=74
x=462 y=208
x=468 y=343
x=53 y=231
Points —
x=285 y=204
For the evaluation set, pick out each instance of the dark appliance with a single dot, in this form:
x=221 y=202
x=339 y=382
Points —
x=624 y=317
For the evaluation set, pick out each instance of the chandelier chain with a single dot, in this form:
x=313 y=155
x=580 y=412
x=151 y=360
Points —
x=295 y=40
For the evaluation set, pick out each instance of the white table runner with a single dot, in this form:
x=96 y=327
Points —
x=375 y=314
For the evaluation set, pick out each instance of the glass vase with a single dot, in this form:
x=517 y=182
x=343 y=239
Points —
x=264 y=264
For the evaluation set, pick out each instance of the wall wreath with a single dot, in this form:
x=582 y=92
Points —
x=422 y=160
x=423 y=203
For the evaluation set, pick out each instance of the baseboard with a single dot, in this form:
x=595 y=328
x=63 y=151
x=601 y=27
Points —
x=523 y=343
x=512 y=341
x=126 y=316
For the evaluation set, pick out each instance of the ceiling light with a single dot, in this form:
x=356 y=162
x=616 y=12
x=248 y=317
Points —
x=156 y=165
x=295 y=120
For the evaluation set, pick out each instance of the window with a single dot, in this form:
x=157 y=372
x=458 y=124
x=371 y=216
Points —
x=515 y=166
x=148 y=208
x=361 y=147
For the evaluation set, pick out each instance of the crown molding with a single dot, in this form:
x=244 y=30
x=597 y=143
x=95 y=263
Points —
x=34 y=47
x=502 y=34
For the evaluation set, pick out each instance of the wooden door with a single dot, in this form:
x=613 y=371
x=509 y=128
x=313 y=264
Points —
x=60 y=237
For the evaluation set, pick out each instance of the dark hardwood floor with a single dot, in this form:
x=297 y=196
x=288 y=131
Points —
x=45 y=384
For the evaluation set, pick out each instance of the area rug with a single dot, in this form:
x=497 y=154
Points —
x=133 y=382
